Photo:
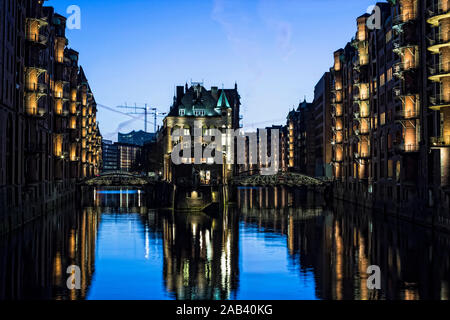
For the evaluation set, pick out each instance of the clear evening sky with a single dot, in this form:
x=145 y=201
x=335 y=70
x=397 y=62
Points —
x=137 y=51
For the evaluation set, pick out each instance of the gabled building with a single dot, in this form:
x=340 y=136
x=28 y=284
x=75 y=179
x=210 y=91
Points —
x=210 y=109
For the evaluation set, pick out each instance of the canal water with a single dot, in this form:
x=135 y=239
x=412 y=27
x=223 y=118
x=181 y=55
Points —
x=265 y=248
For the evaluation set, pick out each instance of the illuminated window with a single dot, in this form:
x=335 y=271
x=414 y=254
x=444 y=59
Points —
x=389 y=74
x=199 y=113
x=388 y=36
x=382 y=80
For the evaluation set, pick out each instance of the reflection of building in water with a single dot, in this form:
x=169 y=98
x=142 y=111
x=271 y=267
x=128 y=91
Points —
x=339 y=247
x=119 y=198
x=277 y=197
x=201 y=256
x=33 y=263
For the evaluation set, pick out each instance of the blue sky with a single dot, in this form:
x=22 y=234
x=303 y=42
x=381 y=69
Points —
x=137 y=51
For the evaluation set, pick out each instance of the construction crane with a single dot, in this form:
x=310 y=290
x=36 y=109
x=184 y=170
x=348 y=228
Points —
x=143 y=111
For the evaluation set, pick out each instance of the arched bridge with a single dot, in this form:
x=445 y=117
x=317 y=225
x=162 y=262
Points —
x=118 y=178
x=288 y=179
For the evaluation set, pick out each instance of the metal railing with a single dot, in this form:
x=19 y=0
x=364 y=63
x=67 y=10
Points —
x=37 y=38
x=407 y=147
x=403 y=18
x=438 y=38
x=400 y=67
x=36 y=87
x=436 y=9
x=440 y=68
x=439 y=99
x=442 y=141
x=407 y=114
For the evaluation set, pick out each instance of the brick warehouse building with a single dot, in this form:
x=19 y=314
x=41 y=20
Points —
x=49 y=136
x=390 y=109
x=199 y=184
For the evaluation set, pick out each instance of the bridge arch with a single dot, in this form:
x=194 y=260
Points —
x=118 y=178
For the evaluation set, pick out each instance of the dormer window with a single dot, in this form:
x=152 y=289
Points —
x=182 y=112
x=199 y=113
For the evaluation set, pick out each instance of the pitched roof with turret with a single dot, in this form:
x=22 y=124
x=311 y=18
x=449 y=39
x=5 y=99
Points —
x=197 y=100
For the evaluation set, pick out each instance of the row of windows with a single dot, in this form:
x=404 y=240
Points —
x=197 y=113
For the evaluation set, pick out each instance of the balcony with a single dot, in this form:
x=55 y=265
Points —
x=439 y=101
x=405 y=89
x=437 y=42
x=65 y=95
x=440 y=142
x=436 y=13
x=36 y=88
x=404 y=18
x=37 y=113
x=362 y=155
x=400 y=68
x=37 y=64
x=38 y=39
x=405 y=39
x=439 y=71
x=407 y=114
x=358 y=98
x=356 y=43
x=407 y=148
x=364 y=132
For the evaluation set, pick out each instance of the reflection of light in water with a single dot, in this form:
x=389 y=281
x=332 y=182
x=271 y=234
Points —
x=225 y=265
x=139 y=198
x=186 y=273
x=147 y=243
x=208 y=246
x=339 y=264
x=411 y=293
x=117 y=192
x=444 y=290
x=95 y=194
x=173 y=232
x=57 y=268
x=194 y=229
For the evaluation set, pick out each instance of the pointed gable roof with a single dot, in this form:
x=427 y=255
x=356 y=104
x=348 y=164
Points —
x=223 y=101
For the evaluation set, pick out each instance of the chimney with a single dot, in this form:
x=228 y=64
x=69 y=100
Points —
x=180 y=93
x=214 y=92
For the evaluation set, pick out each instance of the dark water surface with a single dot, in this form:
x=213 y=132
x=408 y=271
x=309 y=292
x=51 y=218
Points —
x=126 y=251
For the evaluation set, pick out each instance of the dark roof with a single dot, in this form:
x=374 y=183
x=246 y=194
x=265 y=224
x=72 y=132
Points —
x=210 y=102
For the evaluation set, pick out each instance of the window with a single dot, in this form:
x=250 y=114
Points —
x=383 y=119
x=389 y=75
x=205 y=177
x=388 y=36
x=382 y=80
x=390 y=168
x=199 y=113
x=182 y=112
